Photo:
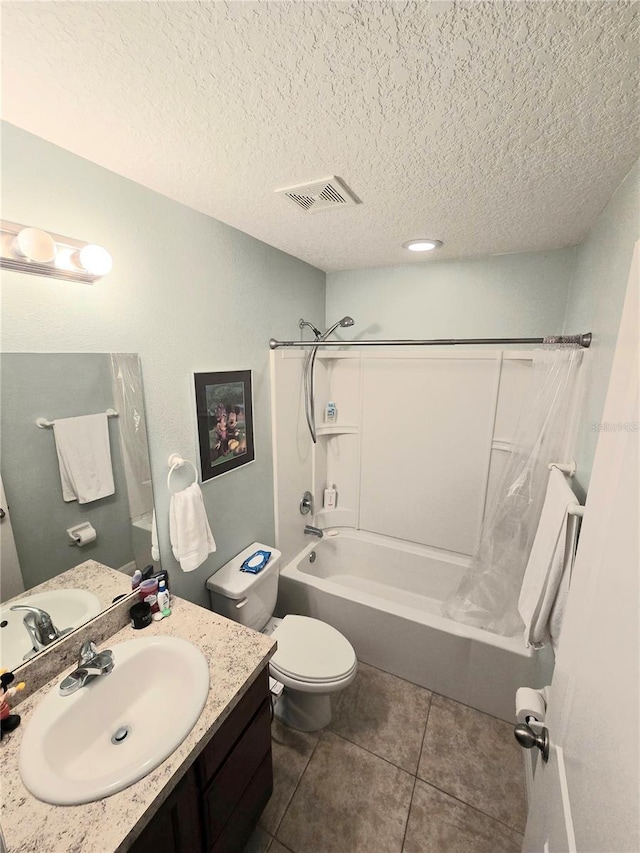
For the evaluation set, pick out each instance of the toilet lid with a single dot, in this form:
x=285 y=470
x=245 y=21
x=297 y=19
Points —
x=311 y=650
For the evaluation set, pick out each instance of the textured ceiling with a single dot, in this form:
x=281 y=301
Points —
x=496 y=127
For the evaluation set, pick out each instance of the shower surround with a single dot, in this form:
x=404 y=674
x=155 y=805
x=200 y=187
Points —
x=417 y=448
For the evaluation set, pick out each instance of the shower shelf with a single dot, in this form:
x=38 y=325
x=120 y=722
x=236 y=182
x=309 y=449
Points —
x=336 y=429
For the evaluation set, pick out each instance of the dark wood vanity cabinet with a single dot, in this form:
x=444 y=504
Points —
x=176 y=827
x=215 y=807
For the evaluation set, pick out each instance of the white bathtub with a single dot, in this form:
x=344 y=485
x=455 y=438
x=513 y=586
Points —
x=385 y=595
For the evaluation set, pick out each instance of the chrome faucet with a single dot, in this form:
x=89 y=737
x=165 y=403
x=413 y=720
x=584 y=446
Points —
x=313 y=531
x=39 y=624
x=91 y=664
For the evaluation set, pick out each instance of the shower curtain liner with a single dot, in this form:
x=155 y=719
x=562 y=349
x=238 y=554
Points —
x=487 y=596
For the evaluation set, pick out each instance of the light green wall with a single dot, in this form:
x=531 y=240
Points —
x=187 y=292
x=519 y=295
x=595 y=303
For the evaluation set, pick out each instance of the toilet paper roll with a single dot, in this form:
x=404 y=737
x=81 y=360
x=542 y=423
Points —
x=530 y=703
x=82 y=534
x=83 y=537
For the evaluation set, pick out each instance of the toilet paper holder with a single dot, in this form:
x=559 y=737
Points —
x=82 y=534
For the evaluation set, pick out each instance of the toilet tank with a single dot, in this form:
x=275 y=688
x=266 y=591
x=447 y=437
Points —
x=243 y=596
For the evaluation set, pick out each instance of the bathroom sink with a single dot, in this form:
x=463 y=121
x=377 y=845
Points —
x=68 y=608
x=118 y=727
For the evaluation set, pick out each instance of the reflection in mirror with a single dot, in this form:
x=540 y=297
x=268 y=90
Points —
x=100 y=476
x=65 y=602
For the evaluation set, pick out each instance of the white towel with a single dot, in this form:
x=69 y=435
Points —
x=546 y=578
x=84 y=457
x=191 y=537
x=155 y=549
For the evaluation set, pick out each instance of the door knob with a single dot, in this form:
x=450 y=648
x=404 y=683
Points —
x=527 y=738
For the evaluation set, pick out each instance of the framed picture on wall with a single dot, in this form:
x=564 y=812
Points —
x=225 y=421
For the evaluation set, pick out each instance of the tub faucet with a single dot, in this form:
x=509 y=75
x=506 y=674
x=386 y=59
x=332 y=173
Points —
x=313 y=531
x=91 y=664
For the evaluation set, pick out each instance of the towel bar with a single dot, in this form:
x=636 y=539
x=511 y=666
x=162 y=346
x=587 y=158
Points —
x=43 y=423
x=568 y=468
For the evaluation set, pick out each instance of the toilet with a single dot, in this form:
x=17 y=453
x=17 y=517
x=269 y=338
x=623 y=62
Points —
x=312 y=661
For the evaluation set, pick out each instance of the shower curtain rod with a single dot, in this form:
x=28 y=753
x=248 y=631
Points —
x=577 y=340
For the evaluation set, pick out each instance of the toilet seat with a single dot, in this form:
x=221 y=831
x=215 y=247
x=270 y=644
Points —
x=312 y=656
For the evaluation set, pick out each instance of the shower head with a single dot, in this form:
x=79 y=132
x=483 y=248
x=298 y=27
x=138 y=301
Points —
x=344 y=323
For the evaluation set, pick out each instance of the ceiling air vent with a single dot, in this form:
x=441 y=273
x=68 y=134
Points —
x=326 y=194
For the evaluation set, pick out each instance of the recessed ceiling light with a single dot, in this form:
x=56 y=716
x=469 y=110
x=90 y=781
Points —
x=422 y=245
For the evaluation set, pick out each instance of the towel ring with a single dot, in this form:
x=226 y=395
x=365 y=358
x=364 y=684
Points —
x=176 y=461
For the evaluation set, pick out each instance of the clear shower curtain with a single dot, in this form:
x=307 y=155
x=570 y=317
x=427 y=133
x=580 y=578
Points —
x=487 y=596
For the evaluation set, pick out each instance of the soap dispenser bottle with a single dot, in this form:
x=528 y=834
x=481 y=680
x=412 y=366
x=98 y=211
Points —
x=330 y=497
x=163 y=599
x=331 y=413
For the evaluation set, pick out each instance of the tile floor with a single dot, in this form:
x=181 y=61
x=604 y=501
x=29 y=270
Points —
x=399 y=770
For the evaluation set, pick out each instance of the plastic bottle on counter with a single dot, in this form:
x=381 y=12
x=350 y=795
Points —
x=149 y=592
x=164 y=605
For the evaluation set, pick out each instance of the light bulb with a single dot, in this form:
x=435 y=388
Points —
x=65 y=259
x=422 y=245
x=95 y=260
x=35 y=245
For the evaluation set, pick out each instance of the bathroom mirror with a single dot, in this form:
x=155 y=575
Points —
x=36 y=547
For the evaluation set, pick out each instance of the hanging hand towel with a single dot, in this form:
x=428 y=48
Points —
x=84 y=457
x=155 y=549
x=546 y=578
x=191 y=537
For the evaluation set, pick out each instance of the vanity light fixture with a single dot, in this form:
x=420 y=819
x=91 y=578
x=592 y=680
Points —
x=31 y=250
x=423 y=244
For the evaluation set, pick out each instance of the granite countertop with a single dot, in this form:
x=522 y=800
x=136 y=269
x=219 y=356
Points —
x=236 y=655
x=103 y=582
